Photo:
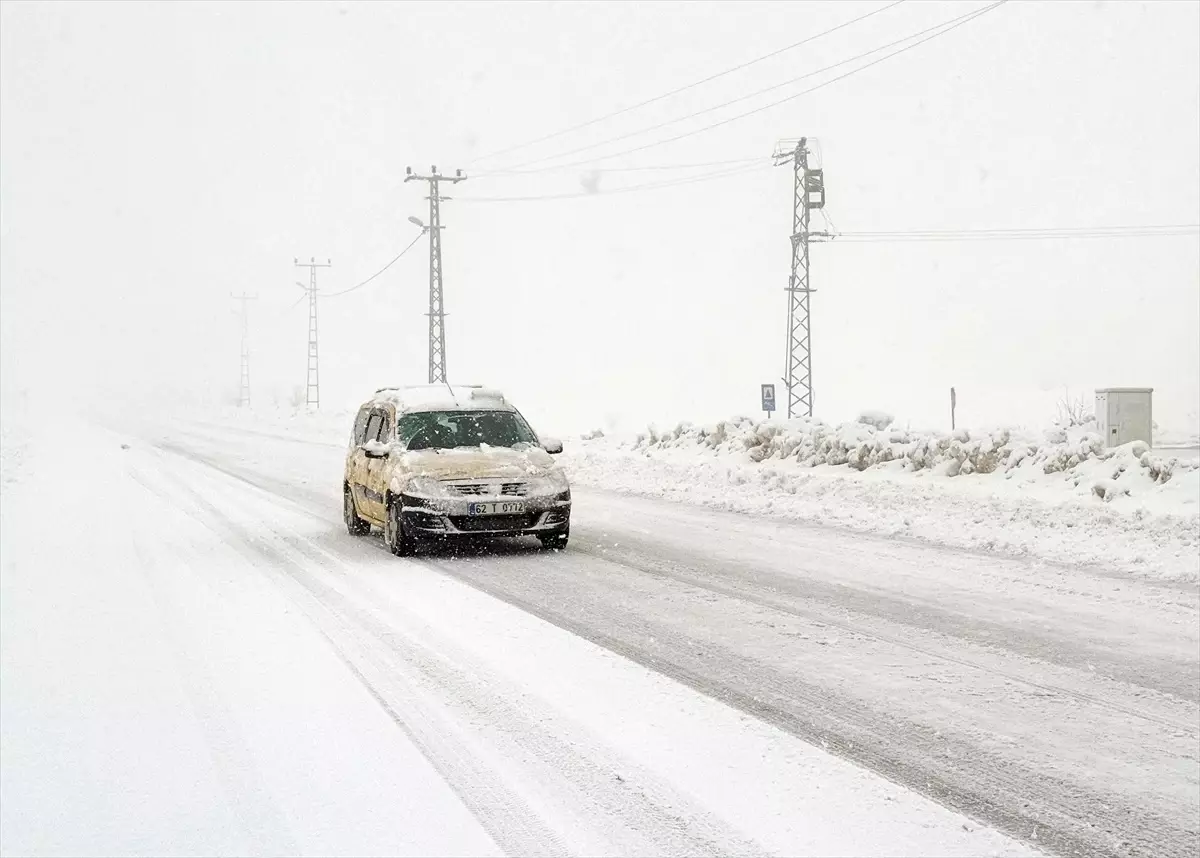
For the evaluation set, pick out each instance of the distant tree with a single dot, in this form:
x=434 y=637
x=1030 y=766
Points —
x=1073 y=410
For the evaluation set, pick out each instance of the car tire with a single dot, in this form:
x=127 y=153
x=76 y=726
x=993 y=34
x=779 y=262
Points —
x=558 y=540
x=355 y=524
x=399 y=542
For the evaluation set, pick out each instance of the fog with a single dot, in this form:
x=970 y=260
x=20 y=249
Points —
x=155 y=158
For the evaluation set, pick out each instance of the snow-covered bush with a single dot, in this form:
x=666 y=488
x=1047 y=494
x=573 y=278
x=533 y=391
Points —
x=879 y=419
x=1076 y=453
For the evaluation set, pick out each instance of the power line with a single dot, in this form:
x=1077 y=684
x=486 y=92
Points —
x=395 y=259
x=1190 y=226
x=504 y=174
x=946 y=27
x=1019 y=234
x=740 y=98
x=647 y=186
x=686 y=87
x=902 y=240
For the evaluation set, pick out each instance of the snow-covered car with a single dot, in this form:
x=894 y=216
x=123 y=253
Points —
x=435 y=462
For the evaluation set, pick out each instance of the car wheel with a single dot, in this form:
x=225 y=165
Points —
x=400 y=543
x=355 y=525
x=558 y=540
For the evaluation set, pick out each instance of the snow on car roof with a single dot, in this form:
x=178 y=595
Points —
x=442 y=397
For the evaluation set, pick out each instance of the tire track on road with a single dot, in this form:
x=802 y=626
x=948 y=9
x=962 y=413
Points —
x=775 y=596
x=508 y=819
x=1071 y=820
x=393 y=666
x=958 y=774
x=262 y=823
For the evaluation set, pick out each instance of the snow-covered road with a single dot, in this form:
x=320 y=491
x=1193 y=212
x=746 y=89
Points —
x=198 y=659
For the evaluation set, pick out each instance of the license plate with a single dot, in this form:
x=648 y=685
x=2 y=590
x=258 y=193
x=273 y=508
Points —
x=495 y=508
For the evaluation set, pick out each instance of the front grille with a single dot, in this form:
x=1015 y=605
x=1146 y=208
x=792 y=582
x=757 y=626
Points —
x=468 y=488
x=511 y=490
x=483 y=523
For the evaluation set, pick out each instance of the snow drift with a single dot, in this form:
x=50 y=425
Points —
x=1059 y=496
x=1055 y=496
x=1078 y=455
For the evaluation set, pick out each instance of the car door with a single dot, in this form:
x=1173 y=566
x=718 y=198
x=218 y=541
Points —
x=377 y=469
x=364 y=495
x=356 y=460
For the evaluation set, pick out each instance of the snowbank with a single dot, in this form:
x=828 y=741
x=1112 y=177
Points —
x=1060 y=496
x=1077 y=455
x=14 y=443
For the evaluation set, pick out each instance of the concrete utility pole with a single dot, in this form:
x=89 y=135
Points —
x=244 y=384
x=809 y=194
x=437 y=315
x=312 y=391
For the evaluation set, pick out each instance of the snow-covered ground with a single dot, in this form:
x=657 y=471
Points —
x=1060 y=496
x=197 y=659
x=162 y=696
x=1057 y=496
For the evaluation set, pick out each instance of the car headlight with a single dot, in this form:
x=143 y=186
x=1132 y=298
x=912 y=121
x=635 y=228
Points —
x=558 y=479
x=539 y=487
x=426 y=487
x=552 y=483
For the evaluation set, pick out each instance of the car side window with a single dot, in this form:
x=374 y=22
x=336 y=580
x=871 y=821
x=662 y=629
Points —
x=385 y=428
x=374 y=424
x=360 y=426
x=524 y=424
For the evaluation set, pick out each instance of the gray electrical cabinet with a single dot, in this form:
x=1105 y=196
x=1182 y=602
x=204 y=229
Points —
x=1125 y=414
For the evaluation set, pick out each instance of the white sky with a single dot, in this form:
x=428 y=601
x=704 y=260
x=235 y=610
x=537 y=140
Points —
x=156 y=157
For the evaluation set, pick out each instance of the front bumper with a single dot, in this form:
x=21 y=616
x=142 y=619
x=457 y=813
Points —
x=542 y=516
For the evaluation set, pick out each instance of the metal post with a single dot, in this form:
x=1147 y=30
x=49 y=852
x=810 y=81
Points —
x=244 y=378
x=808 y=194
x=312 y=390
x=437 y=314
x=437 y=309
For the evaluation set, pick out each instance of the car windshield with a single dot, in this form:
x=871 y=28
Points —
x=445 y=430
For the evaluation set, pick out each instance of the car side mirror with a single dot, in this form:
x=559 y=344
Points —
x=552 y=446
x=375 y=450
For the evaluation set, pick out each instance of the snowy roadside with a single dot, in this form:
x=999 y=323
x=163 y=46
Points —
x=154 y=663
x=320 y=427
x=1059 y=498
x=14 y=448
x=152 y=676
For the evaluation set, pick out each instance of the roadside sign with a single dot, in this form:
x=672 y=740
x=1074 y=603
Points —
x=768 y=398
